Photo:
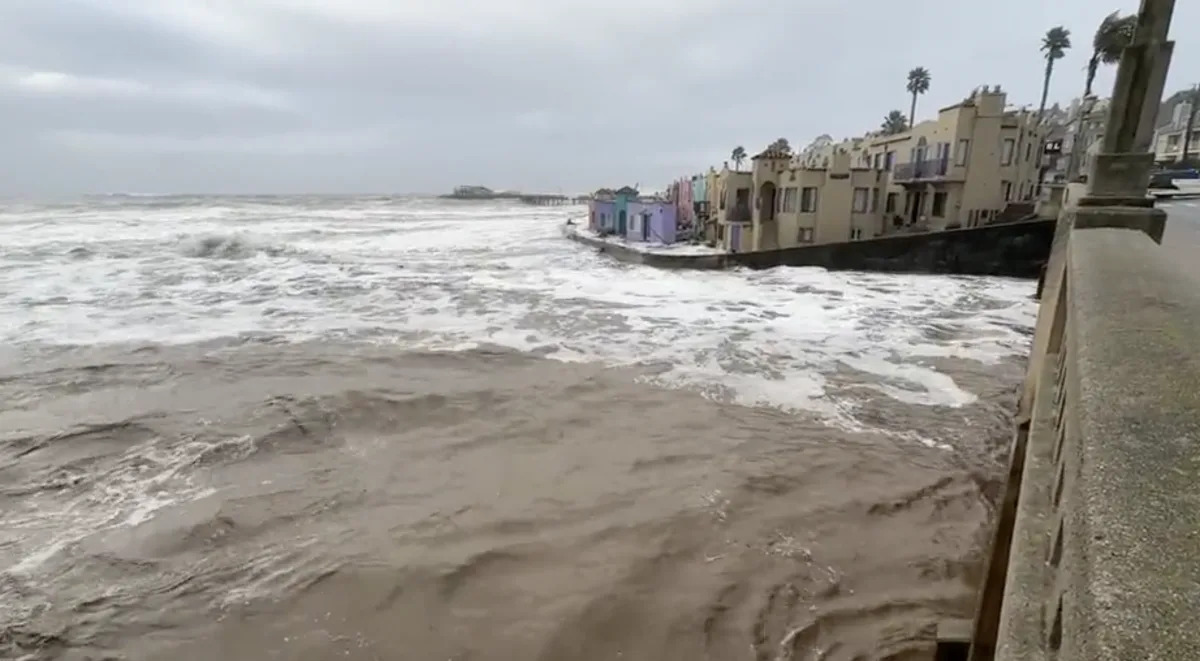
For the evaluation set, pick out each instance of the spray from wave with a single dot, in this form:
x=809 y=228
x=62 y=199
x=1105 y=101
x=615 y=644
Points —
x=228 y=246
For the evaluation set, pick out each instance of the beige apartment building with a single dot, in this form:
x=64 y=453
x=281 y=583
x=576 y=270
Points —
x=795 y=204
x=1168 y=138
x=729 y=203
x=961 y=169
x=1168 y=145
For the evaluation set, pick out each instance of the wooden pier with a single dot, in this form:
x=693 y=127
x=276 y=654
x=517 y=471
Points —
x=550 y=200
x=484 y=194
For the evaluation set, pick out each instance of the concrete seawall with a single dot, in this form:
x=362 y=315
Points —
x=630 y=255
x=1018 y=250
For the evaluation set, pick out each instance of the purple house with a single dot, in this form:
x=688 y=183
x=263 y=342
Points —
x=652 y=221
x=602 y=216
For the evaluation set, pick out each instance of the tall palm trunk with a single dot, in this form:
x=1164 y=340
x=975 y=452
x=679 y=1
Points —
x=1045 y=88
x=1093 y=66
x=912 y=112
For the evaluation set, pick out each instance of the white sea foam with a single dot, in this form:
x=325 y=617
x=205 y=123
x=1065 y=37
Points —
x=431 y=275
x=148 y=477
x=438 y=276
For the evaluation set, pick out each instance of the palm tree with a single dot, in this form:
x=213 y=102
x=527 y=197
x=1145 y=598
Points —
x=894 y=123
x=1111 y=38
x=782 y=145
x=1054 y=45
x=918 y=83
x=738 y=155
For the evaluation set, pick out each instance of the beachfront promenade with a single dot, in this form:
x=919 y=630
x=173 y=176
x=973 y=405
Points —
x=1096 y=555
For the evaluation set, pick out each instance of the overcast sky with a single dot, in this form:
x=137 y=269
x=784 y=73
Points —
x=419 y=95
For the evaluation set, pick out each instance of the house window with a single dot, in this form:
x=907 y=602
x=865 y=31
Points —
x=1028 y=152
x=874 y=200
x=962 y=152
x=860 y=200
x=889 y=159
x=806 y=235
x=890 y=205
x=856 y=234
x=878 y=160
x=1006 y=156
x=939 y=205
x=1007 y=190
x=721 y=198
x=789 y=199
x=808 y=199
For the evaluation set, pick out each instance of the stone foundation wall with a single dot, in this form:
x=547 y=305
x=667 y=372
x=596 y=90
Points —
x=1018 y=250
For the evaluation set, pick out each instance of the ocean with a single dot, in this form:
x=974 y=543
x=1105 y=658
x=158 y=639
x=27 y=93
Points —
x=404 y=428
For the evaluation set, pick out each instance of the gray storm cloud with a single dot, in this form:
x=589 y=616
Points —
x=409 y=96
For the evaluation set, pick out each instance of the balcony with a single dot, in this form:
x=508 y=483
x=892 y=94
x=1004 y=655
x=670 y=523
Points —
x=923 y=170
x=739 y=213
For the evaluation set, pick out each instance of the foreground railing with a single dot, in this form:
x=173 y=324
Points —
x=1097 y=549
x=1096 y=555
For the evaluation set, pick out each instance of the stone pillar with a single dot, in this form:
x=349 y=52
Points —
x=1120 y=173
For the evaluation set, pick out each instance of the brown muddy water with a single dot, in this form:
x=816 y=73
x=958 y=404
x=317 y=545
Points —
x=208 y=454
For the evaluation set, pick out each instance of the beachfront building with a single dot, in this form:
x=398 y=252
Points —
x=681 y=194
x=961 y=169
x=652 y=220
x=1075 y=133
x=1168 y=137
x=700 y=205
x=625 y=213
x=602 y=212
x=977 y=162
x=835 y=198
x=621 y=199
x=708 y=211
x=608 y=210
x=690 y=196
x=729 y=200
